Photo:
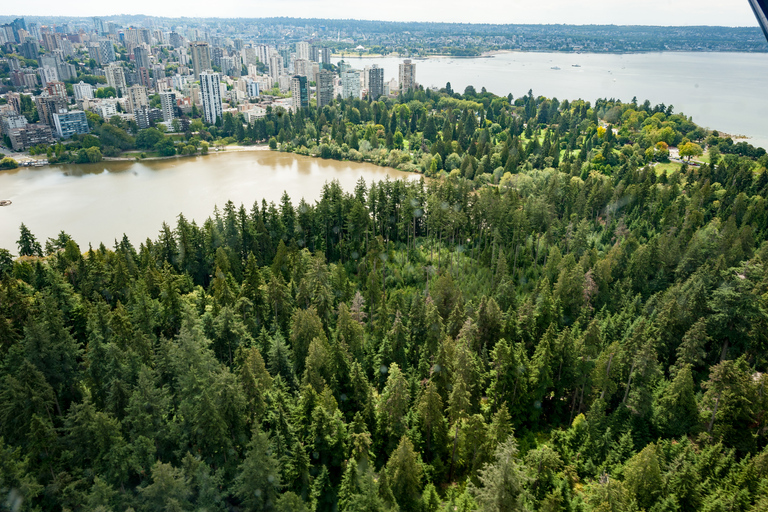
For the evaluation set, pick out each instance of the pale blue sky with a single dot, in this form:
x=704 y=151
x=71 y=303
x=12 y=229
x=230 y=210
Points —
x=618 y=12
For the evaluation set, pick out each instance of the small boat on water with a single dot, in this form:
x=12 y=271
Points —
x=5 y=202
x=556 y=68
x=576 y=65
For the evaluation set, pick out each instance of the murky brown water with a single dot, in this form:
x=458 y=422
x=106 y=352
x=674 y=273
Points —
x=99 y=202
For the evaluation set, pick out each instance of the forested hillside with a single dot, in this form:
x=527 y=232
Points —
x=551 y=324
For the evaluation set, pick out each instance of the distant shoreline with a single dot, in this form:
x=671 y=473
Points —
x=492 y=53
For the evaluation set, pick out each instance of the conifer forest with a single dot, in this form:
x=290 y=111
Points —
x=555 y=317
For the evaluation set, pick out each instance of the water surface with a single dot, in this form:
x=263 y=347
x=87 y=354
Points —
x=97 y=203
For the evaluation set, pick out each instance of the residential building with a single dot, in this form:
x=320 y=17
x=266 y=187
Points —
x=227 y=65
x=48 y=105
x=70 y=123
x=302 y=67
x=47 y=75
x=263 y=52
x=115 y=77
x=314 y=53
x=325 y=57
x=14 y=100
x=12 y=122
x=210 y=88
x=407 y=76
x=252 y=88
x=250 y=57
x=57 y=89
x=216 y=55
x=141 y=57
x=146 y=115
x=375 y=82
x=168 y=105
x=275 y=67
x=29 y=49
x=302 y=50
x=300 y=92
x=137 y=97
x=106 y=51
x=30 y=135
x=201 y=57
x=176 y=40
x=143 y=77
x=284 y=83
x=105 y=108
x=325 y=88
x=51 y=41
x=350 y=84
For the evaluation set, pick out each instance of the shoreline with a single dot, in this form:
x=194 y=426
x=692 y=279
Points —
x=226 y=149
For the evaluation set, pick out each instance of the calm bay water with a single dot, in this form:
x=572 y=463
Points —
x=99 y=202
x=721 y=91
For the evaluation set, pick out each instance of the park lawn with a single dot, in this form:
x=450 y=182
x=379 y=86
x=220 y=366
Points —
x=669 y=167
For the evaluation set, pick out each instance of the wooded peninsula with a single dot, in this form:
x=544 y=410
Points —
x=559 y=318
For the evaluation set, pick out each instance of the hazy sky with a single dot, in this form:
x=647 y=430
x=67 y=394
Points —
x=618 y=12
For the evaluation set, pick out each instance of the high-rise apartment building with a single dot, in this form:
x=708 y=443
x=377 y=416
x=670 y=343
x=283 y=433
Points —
x=47 y=74
x=300 y=92
x=350 y=84
x=249 y=56
x=48 y=105
x=325 y=88
x=201 y=57
x=51 y=41
x=314 y=53
x=325 y=56
x=141 y=57
x=210 y=89
x=83 y=91
x=106 y=51
x=302 y=67
x=275 y=67
x=143 y=76
x=252 y=88
x=176 y=40
x=407 y=76
x=115 y=77
x=137 y=98
x=263 y=52
x=375 y=82
x=302 y=50
x=168 y=105
x=29 y=49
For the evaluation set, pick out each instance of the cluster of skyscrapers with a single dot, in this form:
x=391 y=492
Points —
x=190 y=70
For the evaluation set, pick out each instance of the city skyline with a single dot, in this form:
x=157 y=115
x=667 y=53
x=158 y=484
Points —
x=621 y=12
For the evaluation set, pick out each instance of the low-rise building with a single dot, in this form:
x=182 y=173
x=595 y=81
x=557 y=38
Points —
x=30 y=135
x=70 y=123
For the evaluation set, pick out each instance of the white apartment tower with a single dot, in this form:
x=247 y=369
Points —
x=350 y=84
x=275 y=67
x=210 y=90
x=168 y=105
x=302 y=50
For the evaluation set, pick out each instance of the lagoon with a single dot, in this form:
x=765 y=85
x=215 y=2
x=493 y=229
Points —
x=97 y=203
